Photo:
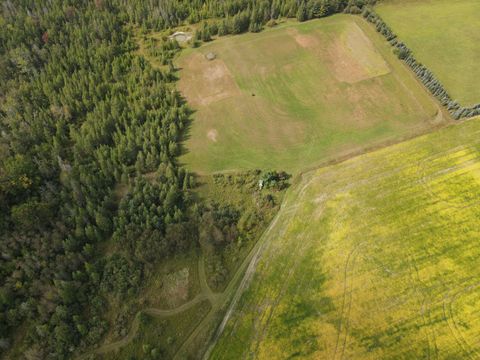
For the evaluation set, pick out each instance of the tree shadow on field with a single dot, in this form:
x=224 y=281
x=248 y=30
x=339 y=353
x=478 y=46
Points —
x=185 y=134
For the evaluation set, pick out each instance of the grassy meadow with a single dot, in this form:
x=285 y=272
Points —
x=445 y=36
x=160 y=338
x=372 y=258
x=297 y=95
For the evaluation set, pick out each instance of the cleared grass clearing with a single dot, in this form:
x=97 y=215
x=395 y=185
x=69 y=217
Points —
x=445 y=36
x=373 y=258
x=298 y=95
x=173 y=282
x=159 y=338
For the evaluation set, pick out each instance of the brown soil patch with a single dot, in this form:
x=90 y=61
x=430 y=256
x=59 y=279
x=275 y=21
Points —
x=203 y=82
x=352 y=57
x=305 y=41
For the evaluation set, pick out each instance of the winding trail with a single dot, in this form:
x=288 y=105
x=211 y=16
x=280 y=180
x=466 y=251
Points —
x=218 y=301
x=205 y=294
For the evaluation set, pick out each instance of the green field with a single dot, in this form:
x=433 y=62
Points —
x=373 y=258
x=445 y=36
x=298 y=95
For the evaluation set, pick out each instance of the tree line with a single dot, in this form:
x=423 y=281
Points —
x=424 y=74
x=230 y=16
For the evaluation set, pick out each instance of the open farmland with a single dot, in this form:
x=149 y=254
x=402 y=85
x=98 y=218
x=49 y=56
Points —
x=298 y=95
x=445 y=36
x=373 y=258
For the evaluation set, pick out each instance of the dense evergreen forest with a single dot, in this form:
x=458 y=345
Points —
x=82 y=119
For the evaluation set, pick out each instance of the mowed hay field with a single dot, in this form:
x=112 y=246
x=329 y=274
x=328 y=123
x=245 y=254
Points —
x=298 y=95
x=372 y=258
x=445 y=36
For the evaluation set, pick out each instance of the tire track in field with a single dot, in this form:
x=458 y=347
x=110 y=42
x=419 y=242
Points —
x=466 y=290
x=298 y=257
x=449 y=317
x=346 y=302
x=424 y=303
x=252 y=260
x=347 y=295
x=424 y=178
x=421 y=168
x=426 y=315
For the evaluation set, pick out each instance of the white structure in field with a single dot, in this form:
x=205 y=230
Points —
x=180 y=36
x=210 y=56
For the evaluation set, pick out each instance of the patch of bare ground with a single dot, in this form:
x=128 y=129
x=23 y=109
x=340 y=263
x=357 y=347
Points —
x=212 y=135
x=352 y=57
x=304 y=40
x=216 y=83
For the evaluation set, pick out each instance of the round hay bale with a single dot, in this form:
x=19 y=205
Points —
x=210 y=56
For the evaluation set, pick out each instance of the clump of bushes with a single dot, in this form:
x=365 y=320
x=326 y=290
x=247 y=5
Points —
x=275 y=180
x=226 y=229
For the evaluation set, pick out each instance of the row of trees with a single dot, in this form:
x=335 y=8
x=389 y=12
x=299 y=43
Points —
x=423 y=73
x=232 y=16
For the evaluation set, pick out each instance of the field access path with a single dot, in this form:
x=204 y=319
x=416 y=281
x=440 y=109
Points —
x=218 y=301
x=206 y=293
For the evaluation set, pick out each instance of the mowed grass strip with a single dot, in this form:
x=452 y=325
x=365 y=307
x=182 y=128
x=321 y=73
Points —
x=445 y=36
x=373 y=258
x=298 y=95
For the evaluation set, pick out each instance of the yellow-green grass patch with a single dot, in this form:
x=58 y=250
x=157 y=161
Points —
x=298 y=95
x=372 y=258
x=445 y=36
